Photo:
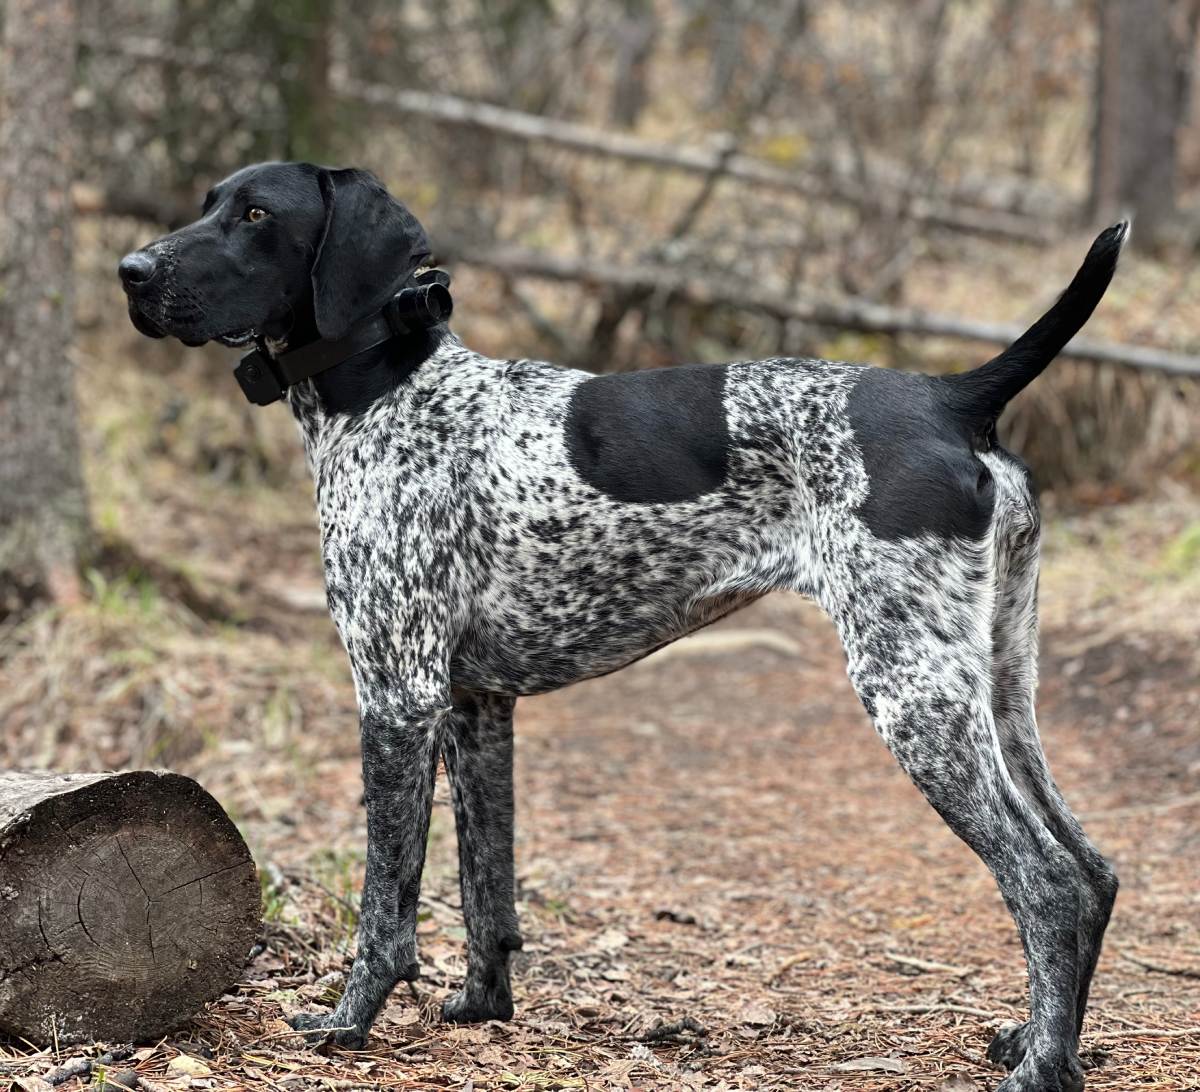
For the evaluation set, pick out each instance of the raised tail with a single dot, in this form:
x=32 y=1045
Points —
x=984 y=392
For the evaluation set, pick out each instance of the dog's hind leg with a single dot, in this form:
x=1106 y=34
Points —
x=1014 y=682
x=479 y=759
x=915 y=619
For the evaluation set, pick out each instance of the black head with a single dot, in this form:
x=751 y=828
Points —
x=282 y=251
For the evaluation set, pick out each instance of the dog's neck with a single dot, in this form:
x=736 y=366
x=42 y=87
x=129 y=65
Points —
x=383 y=382
x=360 y=381
x=352 y=385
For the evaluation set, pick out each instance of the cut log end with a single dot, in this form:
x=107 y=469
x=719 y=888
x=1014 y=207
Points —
x=127 y=902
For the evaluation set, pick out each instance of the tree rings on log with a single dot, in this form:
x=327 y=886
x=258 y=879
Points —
x=127 y=902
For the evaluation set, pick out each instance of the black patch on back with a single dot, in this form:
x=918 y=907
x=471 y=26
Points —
x=923 y=475
x=656 y=436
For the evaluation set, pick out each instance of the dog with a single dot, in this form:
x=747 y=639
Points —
x=496 y=528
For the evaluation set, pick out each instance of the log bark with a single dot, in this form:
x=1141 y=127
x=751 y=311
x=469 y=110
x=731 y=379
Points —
x=127 y=902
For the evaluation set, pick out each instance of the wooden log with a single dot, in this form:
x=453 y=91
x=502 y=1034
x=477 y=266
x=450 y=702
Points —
x=127 y=902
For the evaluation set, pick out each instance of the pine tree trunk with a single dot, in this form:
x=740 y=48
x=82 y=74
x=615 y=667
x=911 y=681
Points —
x=1139 y=108
x=43 y=509
x=636 y=34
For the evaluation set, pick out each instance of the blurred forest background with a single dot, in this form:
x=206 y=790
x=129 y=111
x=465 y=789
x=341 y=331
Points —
x=617 y=185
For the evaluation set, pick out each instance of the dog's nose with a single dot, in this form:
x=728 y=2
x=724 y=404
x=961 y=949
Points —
x=137 y=268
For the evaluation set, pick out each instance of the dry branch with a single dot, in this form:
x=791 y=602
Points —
x=899 y=199
x=129 y=901
x=1146 y=1033
x=453 y=110
x=850 y=314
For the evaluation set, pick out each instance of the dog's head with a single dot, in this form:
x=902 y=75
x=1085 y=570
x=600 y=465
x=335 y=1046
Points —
x=279 y=249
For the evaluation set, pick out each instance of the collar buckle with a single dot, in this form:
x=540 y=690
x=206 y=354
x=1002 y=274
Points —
x=425 y=305
x=256 y=376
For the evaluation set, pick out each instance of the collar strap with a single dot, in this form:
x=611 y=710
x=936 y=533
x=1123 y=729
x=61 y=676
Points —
x=264 y=378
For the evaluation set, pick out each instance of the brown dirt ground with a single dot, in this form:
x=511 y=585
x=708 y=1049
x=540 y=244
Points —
x=717 y=835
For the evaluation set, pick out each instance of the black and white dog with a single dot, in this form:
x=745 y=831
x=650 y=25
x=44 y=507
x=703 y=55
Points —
x=493 y=528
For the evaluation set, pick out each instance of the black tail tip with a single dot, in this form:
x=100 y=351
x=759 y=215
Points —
x=1101 y=261
x=1111 y=240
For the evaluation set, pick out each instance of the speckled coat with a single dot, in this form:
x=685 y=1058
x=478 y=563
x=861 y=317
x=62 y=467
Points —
x=469 y=561
x=494 y=528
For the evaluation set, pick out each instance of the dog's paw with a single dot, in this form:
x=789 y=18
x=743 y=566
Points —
x=1029 y=1076
x=475 y=1006
x=319 y=1028
x=1009 y=1045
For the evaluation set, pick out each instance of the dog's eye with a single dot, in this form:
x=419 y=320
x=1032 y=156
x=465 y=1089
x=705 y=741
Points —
x=254 y=214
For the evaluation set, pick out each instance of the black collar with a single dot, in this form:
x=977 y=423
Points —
x=264 y=377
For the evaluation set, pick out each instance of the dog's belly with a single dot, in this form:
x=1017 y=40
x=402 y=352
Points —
x=508 y=659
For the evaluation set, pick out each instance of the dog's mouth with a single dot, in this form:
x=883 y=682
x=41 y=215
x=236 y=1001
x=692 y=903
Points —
x=238 y=339
x=144 y=324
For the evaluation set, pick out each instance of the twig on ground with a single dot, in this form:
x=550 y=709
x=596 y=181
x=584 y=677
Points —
x=1161 y=968
x=928 y=965
x=966 y=1010
x=412 y=1048
x=684 y=1030
x=1145 y=1033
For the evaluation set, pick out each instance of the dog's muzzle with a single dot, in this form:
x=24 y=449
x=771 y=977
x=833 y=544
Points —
x=137 y=271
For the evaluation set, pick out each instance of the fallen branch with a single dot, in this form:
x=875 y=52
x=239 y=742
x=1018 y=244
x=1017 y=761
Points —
x=983 y=1014
x=1144 y=1033
x=573 y=136
x=1160 y=968
x=851 y=314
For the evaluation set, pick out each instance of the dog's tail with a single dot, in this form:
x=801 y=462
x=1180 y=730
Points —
x=983 y=393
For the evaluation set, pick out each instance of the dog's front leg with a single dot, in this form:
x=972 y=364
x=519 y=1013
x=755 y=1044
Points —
x=479 y=759
x=401 y=738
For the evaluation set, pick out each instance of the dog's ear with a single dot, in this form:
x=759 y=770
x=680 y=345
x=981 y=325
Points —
x=370 y=242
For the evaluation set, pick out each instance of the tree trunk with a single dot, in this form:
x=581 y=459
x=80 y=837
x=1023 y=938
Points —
x=1140 y=103
x=636 y=33
x=304 y=30
x=729 y=26
x=43 y=509
x=128 y=901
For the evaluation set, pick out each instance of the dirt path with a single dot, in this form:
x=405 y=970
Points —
x=716 y=839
